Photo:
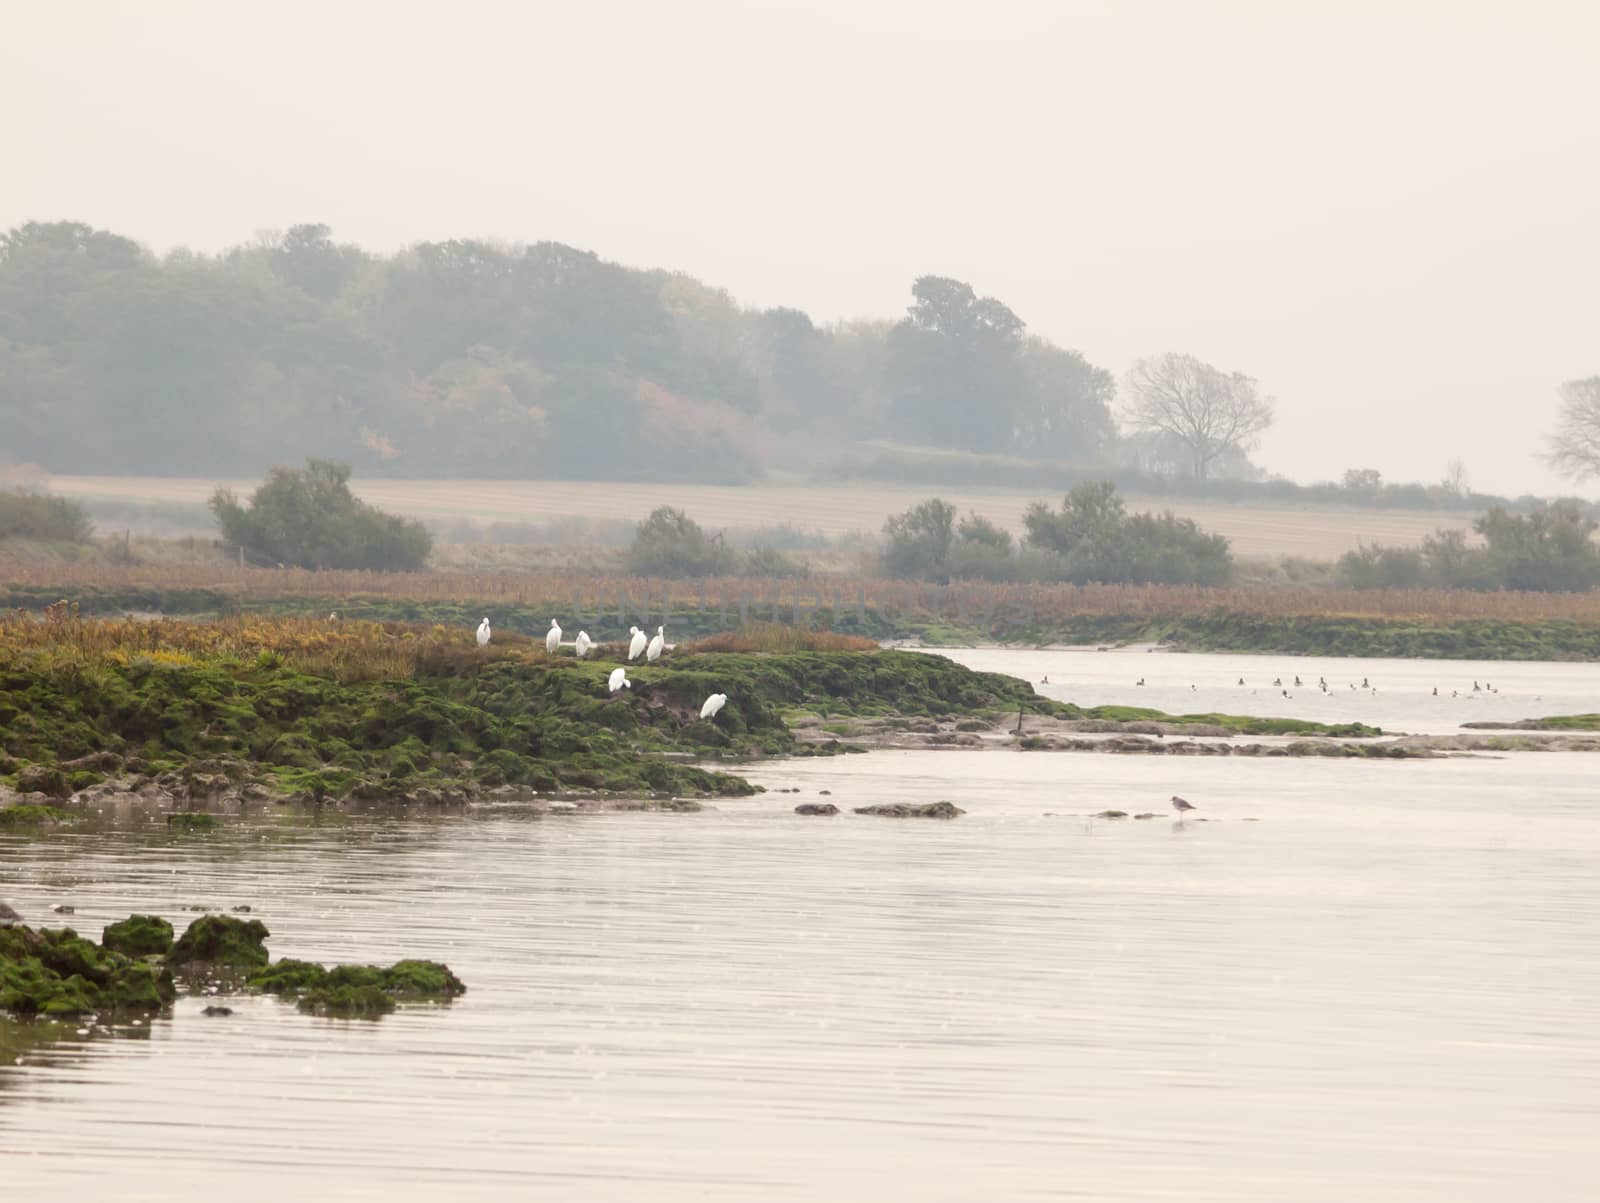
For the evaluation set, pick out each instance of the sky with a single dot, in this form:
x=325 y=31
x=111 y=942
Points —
x=1388 y=213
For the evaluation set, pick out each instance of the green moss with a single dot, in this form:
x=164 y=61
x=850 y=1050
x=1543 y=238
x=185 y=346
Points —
x=1238 y=723
x=223 y=941
x=287 y=976
x=348 y=1002
x=29 y=815
x=138 y=936
x=55 y=972
x=191 y=821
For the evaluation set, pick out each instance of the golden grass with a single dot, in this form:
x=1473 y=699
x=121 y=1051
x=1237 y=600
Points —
x=781 y=637
x=572 y=592
x=344 y=650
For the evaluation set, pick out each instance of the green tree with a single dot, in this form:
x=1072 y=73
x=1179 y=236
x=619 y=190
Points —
x=669 y=543
x=310 y=519
x=918 y=541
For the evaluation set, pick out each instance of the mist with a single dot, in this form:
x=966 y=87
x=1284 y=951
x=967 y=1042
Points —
x=1386 y=216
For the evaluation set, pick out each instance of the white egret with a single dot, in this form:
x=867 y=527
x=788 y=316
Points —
x=636 y=644
x=619 y=680
x=713 y=705
x=580 y=646
x=552 y=637
x=656 y=644
x=483 y=631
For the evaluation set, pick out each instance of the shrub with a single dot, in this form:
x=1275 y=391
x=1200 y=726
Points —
x=770 y=562
x=1550 y=550
x=33 y=516
x=670 y=543
x=310 y=519
x=919 y=541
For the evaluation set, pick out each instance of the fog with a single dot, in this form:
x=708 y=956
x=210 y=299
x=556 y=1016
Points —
x=1390 y=215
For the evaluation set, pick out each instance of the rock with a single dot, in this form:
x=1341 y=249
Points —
x=242 y=909
x=906 y=810
x=30 y=813
x=223 y=941
x=816 y=808
x=99 y=762
x=191 y=821
x=217 y=1011
x=64 y=908
x=826 y=793
x=55 y=972
x=1112 y=814
x=44 y=779
x=1149 y=814
x=138 y=936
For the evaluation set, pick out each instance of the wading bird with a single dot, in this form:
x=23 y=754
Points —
x=656 y=644
x=552 y=637
x=483 y=631
x=619 y=680
x=636 y=644
x=713 y=705
x=1183 y=806
x=580 y=646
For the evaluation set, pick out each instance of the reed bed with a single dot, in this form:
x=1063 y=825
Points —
x=968 y=600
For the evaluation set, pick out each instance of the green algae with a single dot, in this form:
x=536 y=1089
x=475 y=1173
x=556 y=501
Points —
x=56 y=972
x=357 y=991
x=28 y=814
x=907 y=810
x=138 y=936
x=192 y=821
x=222 y=941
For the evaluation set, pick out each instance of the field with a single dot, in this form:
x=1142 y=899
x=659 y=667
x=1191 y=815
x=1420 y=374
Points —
x=1318 y=533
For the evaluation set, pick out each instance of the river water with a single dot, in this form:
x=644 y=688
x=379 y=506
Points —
x=1383 y=988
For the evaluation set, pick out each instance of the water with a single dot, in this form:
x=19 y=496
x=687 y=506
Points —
x=1382 y=989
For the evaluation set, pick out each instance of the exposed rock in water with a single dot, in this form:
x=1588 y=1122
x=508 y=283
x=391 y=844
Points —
x=43 y=779
x=191 y=821
x=222 y=941
x=138 y=936
x=56 y=972
x=28 y=814
x=1112 y=814
x=905 y=810
x=816 y=808
x=217 y=1010
x=1149 y=814
x=357 y=991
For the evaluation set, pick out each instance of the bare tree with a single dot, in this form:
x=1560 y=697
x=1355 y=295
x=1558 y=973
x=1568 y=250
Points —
x=1575 y=446
x=1455 y=478
x=1210 y=412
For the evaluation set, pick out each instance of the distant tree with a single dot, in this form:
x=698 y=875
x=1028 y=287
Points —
x=1091 y=511
x=1455 y=478
x=26 y=515
x=954 y=370
x=1209 y=411
x=1363 y=480
x=975 y=528
x=1575 y=446
x=669 y=543
x=1064 y=411
x=1550 y=549
x=310 y=519
x=918 y=541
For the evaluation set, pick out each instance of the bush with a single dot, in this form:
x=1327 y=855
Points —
x=672 y=544
x=1550 y=550
x=919 y=541
x=32 y=516
x=1091 y=538
x=770 y=562
x=310 y=519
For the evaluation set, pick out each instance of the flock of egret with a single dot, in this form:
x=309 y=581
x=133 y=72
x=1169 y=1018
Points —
x=650 y=647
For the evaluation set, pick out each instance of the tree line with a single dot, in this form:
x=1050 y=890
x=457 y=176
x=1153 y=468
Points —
x=471 y=358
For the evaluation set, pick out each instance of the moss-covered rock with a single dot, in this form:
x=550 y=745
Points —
x=44 y=779
x=907 y=810
x=29 y=815
x=359 y=991
x=138 y=936
x=347 y=1002
x=55 y=972
x=816 y=808
x=193 y=821
x=222 y=941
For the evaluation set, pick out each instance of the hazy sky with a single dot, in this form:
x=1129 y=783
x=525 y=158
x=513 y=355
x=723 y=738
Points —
x=1389 y=213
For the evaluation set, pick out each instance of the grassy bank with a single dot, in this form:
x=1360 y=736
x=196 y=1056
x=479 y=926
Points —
x=254 y=706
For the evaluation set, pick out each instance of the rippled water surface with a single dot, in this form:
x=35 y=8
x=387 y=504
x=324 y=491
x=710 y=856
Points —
x=1382 y=989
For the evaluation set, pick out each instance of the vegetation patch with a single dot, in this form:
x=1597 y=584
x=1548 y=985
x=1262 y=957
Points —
x=191 y=821
x=138 y=936
x=54 y=972
x=28 y=815
x=357 y=991
x=223 y=942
